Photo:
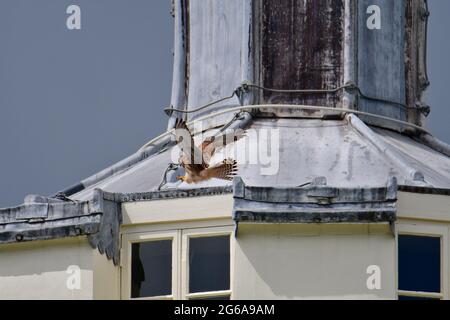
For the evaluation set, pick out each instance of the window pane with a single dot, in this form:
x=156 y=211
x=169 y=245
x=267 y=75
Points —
x=419 y=263
x=151 y=269
x=209 y=264
x=405 y=298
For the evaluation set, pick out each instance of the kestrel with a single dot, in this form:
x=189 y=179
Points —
x=195 y=160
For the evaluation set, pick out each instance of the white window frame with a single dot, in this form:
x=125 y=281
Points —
x=180 y=233
x=204 y=233
x=128 y=240
x=422 y=229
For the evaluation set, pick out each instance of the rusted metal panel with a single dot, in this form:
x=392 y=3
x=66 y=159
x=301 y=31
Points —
x=349 y=98
x=301 y=48
x=410 y=55
x=415 y=56
x=381 y=58
x=422 y=18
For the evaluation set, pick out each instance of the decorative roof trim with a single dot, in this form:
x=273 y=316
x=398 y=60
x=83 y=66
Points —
x=317 y=203
x=356 y=215
x=171 y=194
x=99 y=219
x=52 y=229
x=46 y=218
x=424 y=190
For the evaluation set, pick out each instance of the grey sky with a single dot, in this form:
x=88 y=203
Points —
x=438 y=95
x=74 y=102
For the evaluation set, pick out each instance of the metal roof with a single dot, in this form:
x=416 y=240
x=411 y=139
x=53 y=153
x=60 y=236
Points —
x=346 y=155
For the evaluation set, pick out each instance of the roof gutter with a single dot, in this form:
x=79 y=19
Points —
x=435 y=144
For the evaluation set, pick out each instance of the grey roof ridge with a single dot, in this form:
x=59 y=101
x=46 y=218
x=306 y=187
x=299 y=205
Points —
x=416 y=177
x=119 y=167
x=435 y=144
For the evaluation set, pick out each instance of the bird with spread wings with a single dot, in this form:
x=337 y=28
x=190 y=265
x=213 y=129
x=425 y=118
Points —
x=196 y=160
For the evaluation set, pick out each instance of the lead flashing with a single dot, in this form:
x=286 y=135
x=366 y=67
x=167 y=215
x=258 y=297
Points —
x=172 y=194
x=314 y=204
x=45 y=218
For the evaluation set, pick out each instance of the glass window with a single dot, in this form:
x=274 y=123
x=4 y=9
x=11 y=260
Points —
x=209 y=264
x=192 y=264
x=406 y=298
x=419 y=263
x=151 y=269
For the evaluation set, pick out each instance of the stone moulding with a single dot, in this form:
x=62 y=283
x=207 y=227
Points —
x=99 y=219
x=316 y=203
x=41 y=218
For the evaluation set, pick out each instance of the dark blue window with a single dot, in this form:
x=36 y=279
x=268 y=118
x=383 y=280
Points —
x=209 y=264
x=419 y=261
x=151 y=269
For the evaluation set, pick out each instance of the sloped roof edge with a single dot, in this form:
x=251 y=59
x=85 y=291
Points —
x=46 y=218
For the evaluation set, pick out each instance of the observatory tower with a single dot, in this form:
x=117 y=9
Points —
x=341 y=191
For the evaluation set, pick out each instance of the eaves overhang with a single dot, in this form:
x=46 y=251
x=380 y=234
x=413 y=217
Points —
x=172 y=194
x=315 y=203
x=100 y=218
x=41 y=218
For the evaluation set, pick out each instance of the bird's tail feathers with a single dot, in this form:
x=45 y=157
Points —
x=226 y=170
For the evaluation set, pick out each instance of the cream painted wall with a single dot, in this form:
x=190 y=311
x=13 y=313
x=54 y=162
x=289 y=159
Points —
x=38 y=270
x=269 y=262
x=106 y=278
x=312 y=262
x=177 y=210
x=423 y=207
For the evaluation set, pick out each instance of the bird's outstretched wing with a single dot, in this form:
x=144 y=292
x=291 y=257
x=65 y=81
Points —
x=212 y=144
x=192 y=155
x=225 y=170
x=208 y=150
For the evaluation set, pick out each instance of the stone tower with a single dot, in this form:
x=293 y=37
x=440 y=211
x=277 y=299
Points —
x=340 y=178
x=367 y=56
